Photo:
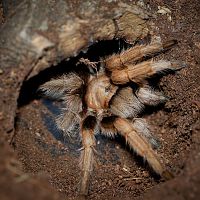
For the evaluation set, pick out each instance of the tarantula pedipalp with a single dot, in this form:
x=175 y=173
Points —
x=105 y=101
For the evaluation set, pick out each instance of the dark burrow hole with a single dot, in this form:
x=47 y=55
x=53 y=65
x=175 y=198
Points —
x=94 y=53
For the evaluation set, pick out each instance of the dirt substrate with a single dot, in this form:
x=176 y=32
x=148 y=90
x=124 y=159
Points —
x=47 y=157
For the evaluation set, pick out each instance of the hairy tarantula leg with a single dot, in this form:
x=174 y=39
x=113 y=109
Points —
x=141 y=127
x=125 y=104
x=87 y=157
x=59 y=87
x=119 y=61
x=137 y=73
x=148 y=96
x=141 y=146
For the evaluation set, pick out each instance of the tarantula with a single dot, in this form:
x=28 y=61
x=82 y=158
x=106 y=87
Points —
x=105 y=101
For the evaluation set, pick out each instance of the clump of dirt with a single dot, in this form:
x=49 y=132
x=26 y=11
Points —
x=118 y=171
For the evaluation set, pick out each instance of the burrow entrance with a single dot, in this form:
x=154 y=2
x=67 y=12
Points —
x=42 y=148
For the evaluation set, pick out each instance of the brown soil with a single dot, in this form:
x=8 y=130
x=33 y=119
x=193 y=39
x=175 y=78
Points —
x=118 y=173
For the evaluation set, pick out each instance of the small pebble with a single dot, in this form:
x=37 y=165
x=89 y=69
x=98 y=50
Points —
x=1 y=71
x=1 y=115
x=137 y=181
x=145 y=174
x=38 y=134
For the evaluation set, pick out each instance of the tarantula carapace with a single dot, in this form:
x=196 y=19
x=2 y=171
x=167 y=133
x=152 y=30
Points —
x=105 y=101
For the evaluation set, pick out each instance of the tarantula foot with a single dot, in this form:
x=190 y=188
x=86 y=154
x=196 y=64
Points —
x=169 y=44
x=177 y=65
x=167 y=175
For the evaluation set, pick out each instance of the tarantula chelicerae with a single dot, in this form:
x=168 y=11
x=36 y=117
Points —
x=105 y=101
